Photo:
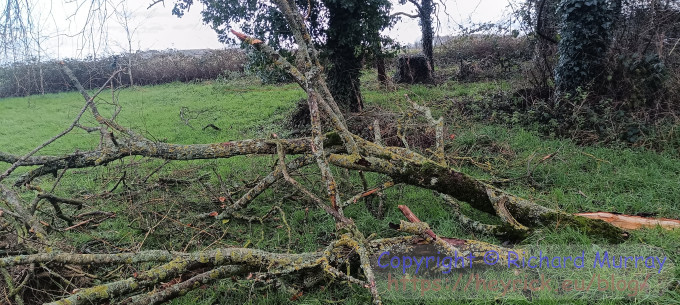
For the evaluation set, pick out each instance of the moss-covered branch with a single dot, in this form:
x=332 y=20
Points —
x=481 y=196
x=224 y=262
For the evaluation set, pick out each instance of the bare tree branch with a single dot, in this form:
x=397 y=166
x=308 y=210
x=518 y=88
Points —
x=404 y=14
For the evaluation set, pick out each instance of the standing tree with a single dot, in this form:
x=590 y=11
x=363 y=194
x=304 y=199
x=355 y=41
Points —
x=425 y=9
x=353 y=31
x=345 y=31
x=586 y=30
x=23 y=34
x=125 y=19
x=15 y=27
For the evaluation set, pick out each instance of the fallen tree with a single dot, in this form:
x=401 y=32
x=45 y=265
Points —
x=339 y=148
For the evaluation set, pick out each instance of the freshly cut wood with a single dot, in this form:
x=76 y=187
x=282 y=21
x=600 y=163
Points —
x=630 y=222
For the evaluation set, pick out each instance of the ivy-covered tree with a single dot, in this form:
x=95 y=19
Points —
x=345 y=30
x=425 y=10
x=586 y=30
x=353 y=31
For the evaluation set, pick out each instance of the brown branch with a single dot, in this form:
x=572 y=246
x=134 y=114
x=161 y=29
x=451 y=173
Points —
x=479 y=195
x=177 y=263
x=367 y=193
x=19 y=161
x=452 y=246
x=308 y=76
x=93 y=108
x=414 y=2
x=50 y=197
x=377 y=134
x=89 y=103
x=147 y=148
x=245 y=38
x=473 y=224
x=155 y=2
x=414 y=219
x=402 y=165
x=31 y=223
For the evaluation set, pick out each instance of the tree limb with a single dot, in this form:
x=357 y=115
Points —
x=404 y=14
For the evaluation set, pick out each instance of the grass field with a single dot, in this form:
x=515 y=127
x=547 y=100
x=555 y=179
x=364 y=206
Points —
x=616 y=178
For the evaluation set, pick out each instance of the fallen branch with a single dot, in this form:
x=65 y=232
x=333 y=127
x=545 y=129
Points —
x=630 y=222
x=340 y=148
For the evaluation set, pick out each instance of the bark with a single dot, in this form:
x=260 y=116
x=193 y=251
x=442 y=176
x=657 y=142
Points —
x=413 y=69
x=226 y=262
x=382 y=72
x=345 y=69
x=431 y=175
x=426 y=10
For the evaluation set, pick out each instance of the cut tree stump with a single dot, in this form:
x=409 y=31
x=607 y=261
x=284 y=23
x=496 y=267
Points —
x=413 y=69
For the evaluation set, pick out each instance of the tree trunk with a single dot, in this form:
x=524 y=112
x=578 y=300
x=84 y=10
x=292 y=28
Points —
x=343 y=75
x=382 y=73
x=585 y=36
x=129 y=68
x=343 y=80
x=427 y=8
x=413 y=69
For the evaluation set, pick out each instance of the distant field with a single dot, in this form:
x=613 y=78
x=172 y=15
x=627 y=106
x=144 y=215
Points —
x=577 y=179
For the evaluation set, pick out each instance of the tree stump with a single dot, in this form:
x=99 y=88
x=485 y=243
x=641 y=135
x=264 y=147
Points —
x=413 y=69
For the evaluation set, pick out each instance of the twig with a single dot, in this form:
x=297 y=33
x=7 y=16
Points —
x=155 y=171
x=262 y=185
x=596 y=158
x=82 y=223
x=122 y=178
x=338 y=217
x=367 y=193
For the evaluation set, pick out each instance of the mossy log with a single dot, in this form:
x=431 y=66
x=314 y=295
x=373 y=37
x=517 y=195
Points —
x=431 y=175
x=403 y=166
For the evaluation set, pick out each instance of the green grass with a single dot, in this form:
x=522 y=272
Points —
x=576 y=179
x=153 y=111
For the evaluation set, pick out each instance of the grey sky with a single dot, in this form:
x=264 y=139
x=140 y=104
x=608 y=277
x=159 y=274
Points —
x=157 y=29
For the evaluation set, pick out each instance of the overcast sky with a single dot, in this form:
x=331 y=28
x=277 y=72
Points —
x=156 y=29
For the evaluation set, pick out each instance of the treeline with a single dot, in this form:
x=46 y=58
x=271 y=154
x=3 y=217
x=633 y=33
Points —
x=145 y=68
